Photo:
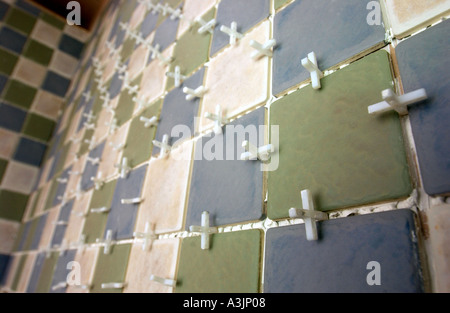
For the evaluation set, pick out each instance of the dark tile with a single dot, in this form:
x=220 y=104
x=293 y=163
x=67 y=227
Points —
x=3 y=9
x=3 y=165
x=148 y=24
x=38 y=127
x=45 y=278
x=166 y=33
x=87 y=108
x=11 y=117
x=60 y=230
x=36 y=272
x=4 y=262
x=38 y=233
x=429 y=119
x=20 y=94
x=56 y=84
x=90 y=170
x=23 y=235
x=8 y=61
x=338 y=261
x=38 y=52
x=231 y=190
x=340 y=33
x=62 y=271
x=30 y=152
x=176 y=110
x=12 y=40
x=245 y=13
x=122 y=217
x=23 y=4
x=12 y=205
x=3 y=81
x=53 y=20
x=71 y=46
x=20 y=20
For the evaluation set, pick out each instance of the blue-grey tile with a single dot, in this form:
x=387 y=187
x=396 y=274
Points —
x=36 y=272
x=62 y=270
x=30 y=152
x=33 y=10
x=61 y=189
x=115 y=29
x=116 y=85
x=338 y=261
x=55 y=143
x=148 y=24
x=12 y=40
x=71 y=46
x=24 y=236
x=176 y=110
x=120 y=38
x=56 y=84
x=4 y=262
x=166 y=33
x=11 y=117
x=83 y=102
x=38 y=232
x=122 y=217
x=246 y=14
x=340 y=33
x=430 y=118
x=90 y=170
x=3 y=9
x=231 y=190
x=87 y=109
x=3 y=81
x=60 y=230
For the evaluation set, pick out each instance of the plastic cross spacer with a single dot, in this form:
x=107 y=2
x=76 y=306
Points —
x=205 y=230
x=397 y=103
x=310 y=63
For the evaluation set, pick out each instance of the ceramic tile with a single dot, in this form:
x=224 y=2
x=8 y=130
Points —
x=429 y=118
x=61 y=272
x=78 y=33
x=340 y=34
x=139 y=144
x=191 y=10
x=38 y=127
x=5 y=259
x=12 y=205
x=104 y=120
x=29 y=72
x=38 y=52
x=71 y=46
x=211 y=271
x=111 y=268
x=12 y=270
x=217 y=175
x=8 y=232
x=138 y=15
x=127 y=48
x=47 y=104
x=115 y=86
x=56 y=84
x=60 y=230
x=46 y=273
x=148 y=25
x=160 y=260
x=3 y=165
x=42 y=220
x=33 y=223
x=409 y=16
x=294 y=264
x=11 y=117
x=12 y=40
x=122 y=217
x=279 y=3
x=35 y=272
x=7 y=61
x=20 y=20
x=23 y=4
x=64 y=64
x=165 y=197
x=137 y=61
x=125 y=106
x=26 y=272
x=341 y=138
x=61 y=187
x=53 y=20
x=19 y=94
x=90 y=170
x=3 y=82
x=4 y=7
x=231 y=89
x=41 y=201
x=8 y=143
x=20 y=177
x=76 y=221
x=166 y=33
x=237 y=11
x=46 y=33
x=87 y=259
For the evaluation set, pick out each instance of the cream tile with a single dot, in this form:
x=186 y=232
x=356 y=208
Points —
x=20 y=177
x=8 y=143
x=47 y=104
x=103 y=122
x=46 y=169
x=191 y=10
x=29 y=72
x=87 y=259
x=137 y=61
x=160 y=260
x=40 y=204
x=237 y=90
x=77 y=171
x=46 y=34
x=76 y=220
x=8 y=235
x=138 y=16
x=26 y=272
x=72 y=154
x=109 y=69
x=63 y=63
x=165 y=191
x=77 y=32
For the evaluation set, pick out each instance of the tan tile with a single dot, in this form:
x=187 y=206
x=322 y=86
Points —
x=77 y=32
x=31 y=200
x=76 y=219
x=165 y=191
x=63 y=64
x=138 y=16
x=77 y=171
x=20 y=177
x=72 y=154
x=109 y=69
x=191 y=10
x=8 y=143
x=49 y=228
x=137 y=61
x=40 y=204
x=160 y=260
x=8 y=235
x=237 y=90
x=103 y=121
x=87 y=259
x=26 y=272
x=46 y=34
x=47 y=104
x=45 y=170
x=30 y=72
x=85 y=75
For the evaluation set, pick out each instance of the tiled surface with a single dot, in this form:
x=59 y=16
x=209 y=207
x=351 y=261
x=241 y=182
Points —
x=87 y=259
x=342 y=254
x=61 y=272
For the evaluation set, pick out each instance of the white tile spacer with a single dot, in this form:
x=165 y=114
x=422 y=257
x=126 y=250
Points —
x=75 y=140
x=205 y=230
x=176 y=75
x=163 y=145
x=149 y=122
x=174 y=14
x=118 y=147
x=63 y=199
x=310 y=63
x=191 y=94
x=120 y=67
x=98 y=182
x=148 y=235
x=264 y=49
x=59 y=286
x=91 y=143
x=148 y=4
x=60 y=223
x=124 y=26
x=218 y=119
x=123 y=168
x=106 y=98
x=232 y=32
x=136 y=200
x=253 y=152
x=164 y=281
x=141 y=102
x=89 y=126
x=93 y=161
x=397 y=103
x=63 y=247
x=107 y=243
x=77 y=173
x=89 y=116
x=309 y=215
x=113 y=285
x=77 y=192
x=87 y=96
x=78 y=213
x=62 y=180
x=112 y=126
x=100 y=210
x=206 y=26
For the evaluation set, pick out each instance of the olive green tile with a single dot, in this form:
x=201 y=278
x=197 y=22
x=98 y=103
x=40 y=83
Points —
x=231 y=265
x=64 y=150
x=20 y=94
x=12 y=205
x=7 y=62
x=126 y=10
x=172 y=4
x=19 y=270
x=84 y=147
x=51 y=195
x=127 y=48
x=3 y=164
x=125 y=105
x=52 y=20
x=94 y=226
x=279 y=3
x=111 y=268
x=45 y=278
x=38 y=52
x=35 y=202
x=191 y=50
x=139 y=141
x=38 y=127
x=33 y=225
x=20 y=20
x=329 y=144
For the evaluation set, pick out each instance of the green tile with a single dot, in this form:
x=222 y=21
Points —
x=191 y=50
x=94 y=226
x=279 y=3
x=84 y=147
x=12 y=205
x=3 y=164
x=172 y=4
x=33 y=225
x=19 y=270
x=127 y=49
x=35 y=202
x=329 y=144
x=111 y=268
x=139 y=141
x=20 y=94
x=125 y=105
x=38 y=52
x=7 y=62
x=231 y=265
x=45 y=278
x=20 y=20
x=126 y=10
x=51 y=194
x=52 y=20
x=38 y=127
